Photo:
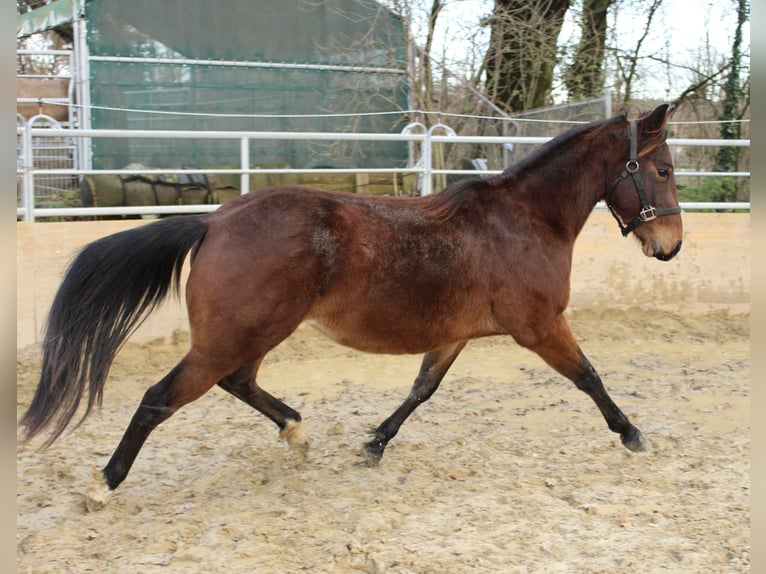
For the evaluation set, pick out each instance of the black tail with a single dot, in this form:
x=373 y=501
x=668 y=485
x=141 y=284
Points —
x=109 y=289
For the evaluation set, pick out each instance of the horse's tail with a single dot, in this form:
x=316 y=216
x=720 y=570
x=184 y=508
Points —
x=109 y=289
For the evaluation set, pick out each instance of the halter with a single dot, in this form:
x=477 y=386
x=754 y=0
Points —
x=648 y=211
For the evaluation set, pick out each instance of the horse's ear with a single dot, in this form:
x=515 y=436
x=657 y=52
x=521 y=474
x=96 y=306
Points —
x=656 y=120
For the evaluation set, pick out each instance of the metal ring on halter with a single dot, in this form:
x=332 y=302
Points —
x=631 y=166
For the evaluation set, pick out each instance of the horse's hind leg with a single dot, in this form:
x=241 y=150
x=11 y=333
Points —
x=242 y=385
x=185 y=383
x=560 y=351
x=432 y=370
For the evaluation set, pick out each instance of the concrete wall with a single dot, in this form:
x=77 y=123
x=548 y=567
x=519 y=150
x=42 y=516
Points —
x=711 y=272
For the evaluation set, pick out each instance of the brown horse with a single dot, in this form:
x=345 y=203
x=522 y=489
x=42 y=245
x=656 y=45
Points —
x=380 y=274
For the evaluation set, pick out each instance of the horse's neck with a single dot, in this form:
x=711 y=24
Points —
x=561 y=196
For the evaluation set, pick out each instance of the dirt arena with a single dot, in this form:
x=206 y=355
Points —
x=508 y=468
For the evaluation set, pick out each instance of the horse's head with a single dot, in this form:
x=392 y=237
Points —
x=643 y=197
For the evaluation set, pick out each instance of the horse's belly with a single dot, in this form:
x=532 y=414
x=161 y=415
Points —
x=375 y=343
x=396 y=337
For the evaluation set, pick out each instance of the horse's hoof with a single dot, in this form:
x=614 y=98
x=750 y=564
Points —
x=634 y=441
x=297 y=438
x=99 y=495
x=372 y=452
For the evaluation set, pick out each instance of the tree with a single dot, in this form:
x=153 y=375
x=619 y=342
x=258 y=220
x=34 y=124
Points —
x=734 y=94
x=522 y=52
x=628 y=61
x=585 y=76
x=428 y=79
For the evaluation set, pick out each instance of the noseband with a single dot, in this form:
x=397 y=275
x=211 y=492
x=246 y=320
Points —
x=648 y=211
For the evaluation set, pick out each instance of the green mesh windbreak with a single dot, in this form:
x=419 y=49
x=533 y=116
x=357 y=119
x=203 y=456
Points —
x=230 y=64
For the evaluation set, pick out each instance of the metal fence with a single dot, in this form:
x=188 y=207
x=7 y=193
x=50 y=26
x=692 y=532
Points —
x=46 y=152
x=36 y=169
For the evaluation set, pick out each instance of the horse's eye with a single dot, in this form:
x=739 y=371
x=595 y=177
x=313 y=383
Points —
x=662 y=172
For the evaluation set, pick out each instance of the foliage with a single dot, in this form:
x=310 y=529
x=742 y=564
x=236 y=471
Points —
x=715 y=189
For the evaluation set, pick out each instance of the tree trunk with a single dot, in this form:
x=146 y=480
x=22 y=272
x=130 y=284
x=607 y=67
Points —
x=728 y=157
x=585 y=77
x=522 y=52
x=428 y=78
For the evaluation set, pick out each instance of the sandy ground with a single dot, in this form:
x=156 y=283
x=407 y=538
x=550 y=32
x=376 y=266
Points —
x=508 y=468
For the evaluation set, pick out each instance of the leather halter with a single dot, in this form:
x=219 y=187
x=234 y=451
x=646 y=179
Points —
x=648 y=211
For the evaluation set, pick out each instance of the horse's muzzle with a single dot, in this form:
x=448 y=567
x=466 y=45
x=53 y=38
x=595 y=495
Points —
x=669 y=256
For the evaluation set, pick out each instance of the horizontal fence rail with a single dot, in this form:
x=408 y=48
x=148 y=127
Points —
x=414 y=133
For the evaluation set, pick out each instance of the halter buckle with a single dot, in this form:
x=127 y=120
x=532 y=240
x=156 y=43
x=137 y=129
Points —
x=648 y=213
x=631 y=166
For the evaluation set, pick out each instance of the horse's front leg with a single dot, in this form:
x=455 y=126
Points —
x=559 y=349
x=432 y=370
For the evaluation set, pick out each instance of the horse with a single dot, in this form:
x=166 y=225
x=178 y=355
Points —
x=395 y=275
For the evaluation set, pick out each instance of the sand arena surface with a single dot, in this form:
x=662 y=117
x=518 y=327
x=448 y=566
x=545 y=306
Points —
x=508 y=468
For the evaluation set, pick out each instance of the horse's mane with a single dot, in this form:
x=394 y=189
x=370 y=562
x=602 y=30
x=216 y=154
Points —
x=445 y=204
x=543 y=152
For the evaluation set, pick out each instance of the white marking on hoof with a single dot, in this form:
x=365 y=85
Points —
x=99 y=495
x=296 y=438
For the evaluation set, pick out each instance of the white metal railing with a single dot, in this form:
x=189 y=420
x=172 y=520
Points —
x=412 y=134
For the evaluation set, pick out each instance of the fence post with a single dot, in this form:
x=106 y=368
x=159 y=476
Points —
x=28 y=187
x=411 y=161
x=244 y=160
x=428 y=155
x=425 y=185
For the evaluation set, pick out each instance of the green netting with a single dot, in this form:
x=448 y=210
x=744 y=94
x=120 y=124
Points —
x=43 y=18
x=292 y=60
